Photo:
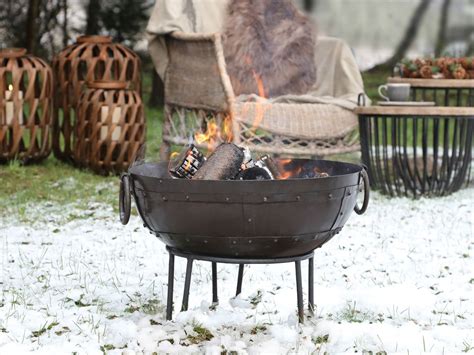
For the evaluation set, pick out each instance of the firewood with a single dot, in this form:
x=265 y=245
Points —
x=223 y=164
x=255 y=173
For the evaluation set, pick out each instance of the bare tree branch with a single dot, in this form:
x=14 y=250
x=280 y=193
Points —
x=441 y=41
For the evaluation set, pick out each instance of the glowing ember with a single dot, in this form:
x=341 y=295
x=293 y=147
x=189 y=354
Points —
x=289 y=170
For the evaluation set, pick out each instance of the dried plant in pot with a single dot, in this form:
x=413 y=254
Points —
x=91 y=58
x=110 y=127
x=26 y=94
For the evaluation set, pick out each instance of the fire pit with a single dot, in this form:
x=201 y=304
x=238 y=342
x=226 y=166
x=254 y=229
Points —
x=249 y=221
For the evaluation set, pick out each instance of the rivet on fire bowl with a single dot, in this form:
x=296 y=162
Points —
x=187 y=198
x=227 y=199
x=330 y=196
x=298 y=198
x=250 y=241
x=250 y=220
x=205 y=241
x=234 y=242
x=275 y=240
x=164 y=198
x=265 y=199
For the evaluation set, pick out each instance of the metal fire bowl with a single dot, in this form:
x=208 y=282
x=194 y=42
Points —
x=245 y=219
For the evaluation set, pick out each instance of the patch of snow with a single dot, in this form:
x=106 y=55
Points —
x=399 y=278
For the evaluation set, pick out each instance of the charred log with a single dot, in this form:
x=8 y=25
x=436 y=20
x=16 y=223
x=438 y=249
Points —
x=223 y=164
x=255 y=173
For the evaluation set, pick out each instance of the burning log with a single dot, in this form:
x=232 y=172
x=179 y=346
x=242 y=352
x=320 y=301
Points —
x=188 y=164
x=230 y=162
x=223 y=164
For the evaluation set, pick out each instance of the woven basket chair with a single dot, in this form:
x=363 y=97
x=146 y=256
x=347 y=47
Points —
x=198 y=90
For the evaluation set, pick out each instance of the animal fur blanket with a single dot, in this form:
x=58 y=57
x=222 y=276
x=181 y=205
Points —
x=269 y=48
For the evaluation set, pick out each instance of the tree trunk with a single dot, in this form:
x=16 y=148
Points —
x=32 y=25
x=408 y=38
x=65 y=23
x=309 y=5
x=93 y=15
x=157 y=91
x=441 y=41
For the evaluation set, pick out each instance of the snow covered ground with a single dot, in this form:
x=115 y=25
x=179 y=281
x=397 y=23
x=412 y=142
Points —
x=398 y=280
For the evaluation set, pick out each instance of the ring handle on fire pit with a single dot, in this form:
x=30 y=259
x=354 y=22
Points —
x=365 y=204
x=124 y=199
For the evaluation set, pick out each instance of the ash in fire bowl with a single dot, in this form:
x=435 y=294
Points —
x=230 y=205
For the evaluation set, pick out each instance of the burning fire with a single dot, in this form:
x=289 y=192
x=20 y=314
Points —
x=215 y=134
x=259 y=107
x=209 y=136
x=285 y=169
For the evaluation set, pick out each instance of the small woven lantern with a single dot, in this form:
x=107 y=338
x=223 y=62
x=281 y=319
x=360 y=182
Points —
x=26 y=95
x=91 y=58
x=110 y=127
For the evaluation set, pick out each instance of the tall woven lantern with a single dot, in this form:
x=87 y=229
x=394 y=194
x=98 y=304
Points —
x=91 y=58
x=26 y=106
x=110 y=127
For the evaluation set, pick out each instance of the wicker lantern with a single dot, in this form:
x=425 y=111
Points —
x=26 y=87
x=91 y=58
x=110 y=127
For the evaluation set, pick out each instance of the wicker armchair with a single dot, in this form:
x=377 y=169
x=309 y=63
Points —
x=198 y=90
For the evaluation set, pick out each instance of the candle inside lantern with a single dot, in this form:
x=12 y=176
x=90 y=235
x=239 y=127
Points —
x=10 y=106
x=104 y=130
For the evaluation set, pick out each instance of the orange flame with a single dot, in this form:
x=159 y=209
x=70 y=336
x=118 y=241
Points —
x=188 y=164
x=285 y=171
x=215 y=134
x=171 y=160
x=228 y=132
x=259 y=107
x=210 y=136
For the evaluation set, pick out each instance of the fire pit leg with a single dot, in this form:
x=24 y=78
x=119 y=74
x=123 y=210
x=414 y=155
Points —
x=169 y=302
x=299 y=291
x=239 y=279
x=215 y=298
x=311 y=285
x=242 y=262
x=187 y=284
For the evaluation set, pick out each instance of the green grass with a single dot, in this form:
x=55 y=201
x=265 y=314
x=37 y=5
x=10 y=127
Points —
x=372 y=81
x=200 y=335
x=52 y=181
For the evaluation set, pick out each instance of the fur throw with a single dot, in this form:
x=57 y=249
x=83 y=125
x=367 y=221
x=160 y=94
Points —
x=269 y=42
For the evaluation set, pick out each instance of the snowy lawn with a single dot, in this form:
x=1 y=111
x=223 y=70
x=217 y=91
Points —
x=398 y=280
